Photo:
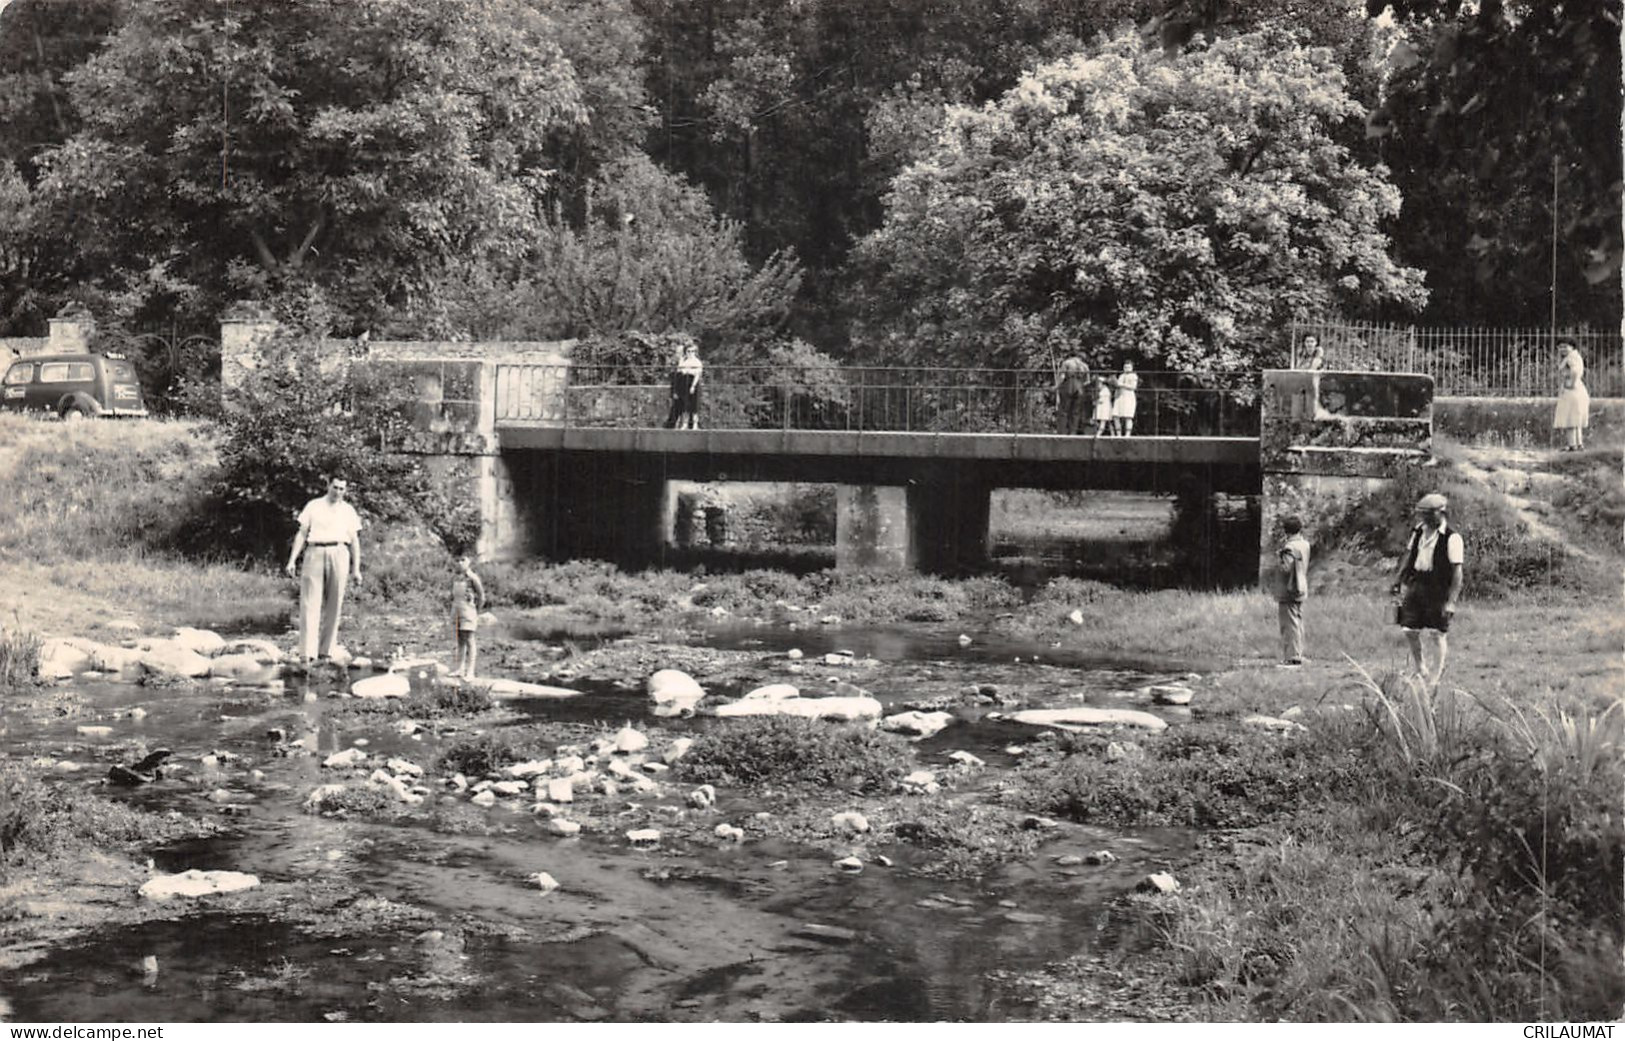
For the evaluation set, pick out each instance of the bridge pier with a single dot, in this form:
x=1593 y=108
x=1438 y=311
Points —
x=872 y=528
x=937 y=526
x=1329 y=439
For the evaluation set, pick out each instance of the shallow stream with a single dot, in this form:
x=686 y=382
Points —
x=413 y=921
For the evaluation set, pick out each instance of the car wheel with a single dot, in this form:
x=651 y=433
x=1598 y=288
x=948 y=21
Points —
x=74 y=413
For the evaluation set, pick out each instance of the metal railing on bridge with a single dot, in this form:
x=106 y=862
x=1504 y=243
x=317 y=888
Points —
x=1468 y=361
x=867 y=399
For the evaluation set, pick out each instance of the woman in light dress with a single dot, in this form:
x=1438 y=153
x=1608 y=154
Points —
x=1573 y=412
x=1123 y=404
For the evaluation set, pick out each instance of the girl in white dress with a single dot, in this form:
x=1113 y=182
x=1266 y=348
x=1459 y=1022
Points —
x=1124 y=404
x=1573 y=412
x=1103 y=406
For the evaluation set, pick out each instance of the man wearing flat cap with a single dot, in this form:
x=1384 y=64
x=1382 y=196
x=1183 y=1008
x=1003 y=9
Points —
x=1429 y=583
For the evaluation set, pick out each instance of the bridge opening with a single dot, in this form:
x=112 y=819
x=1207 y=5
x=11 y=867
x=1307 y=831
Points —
x=1147 y=540
x=738 y=525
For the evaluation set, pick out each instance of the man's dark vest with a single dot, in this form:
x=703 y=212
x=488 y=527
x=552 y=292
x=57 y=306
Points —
x=1437 y=580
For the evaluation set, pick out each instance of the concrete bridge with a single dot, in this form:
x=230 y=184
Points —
x=907 y=500
x=570 y=460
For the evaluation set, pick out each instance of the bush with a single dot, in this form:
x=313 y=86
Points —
x=784 y=750
x=41 y=821
x=485 y=754
x=19 y=659
x=300 y=417
x=1502 y=555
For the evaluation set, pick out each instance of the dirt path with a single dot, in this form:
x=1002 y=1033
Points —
x=1476 y=464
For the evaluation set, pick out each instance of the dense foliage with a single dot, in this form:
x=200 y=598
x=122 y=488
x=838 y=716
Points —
x=465 y=169
x=1127 y=205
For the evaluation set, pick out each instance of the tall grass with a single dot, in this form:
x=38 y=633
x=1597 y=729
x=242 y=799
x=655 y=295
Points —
x=1474 y=874
x=19 y=658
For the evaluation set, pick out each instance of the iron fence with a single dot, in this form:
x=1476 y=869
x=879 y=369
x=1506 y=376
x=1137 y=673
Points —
x=874 y=399
x=1469 y=362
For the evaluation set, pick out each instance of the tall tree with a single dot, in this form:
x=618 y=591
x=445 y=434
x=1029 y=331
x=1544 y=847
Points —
x=1126 y=203
x=1502 y=126
x=243 y=148
x=795 y=116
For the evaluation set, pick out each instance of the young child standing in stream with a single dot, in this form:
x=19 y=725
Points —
x=467 y=601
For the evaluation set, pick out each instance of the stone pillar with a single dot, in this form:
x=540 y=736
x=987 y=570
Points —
x=241 y=332
x=72 y=333
x=872 y=528
x=1327 y=440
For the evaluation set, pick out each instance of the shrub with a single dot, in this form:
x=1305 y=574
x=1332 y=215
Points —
x=783 y=750
x=485 y=754
x=1503 y=556
x=299 y=417
x=19 y=659
x=39 y=821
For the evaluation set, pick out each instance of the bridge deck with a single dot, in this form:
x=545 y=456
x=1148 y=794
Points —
x=838 y=456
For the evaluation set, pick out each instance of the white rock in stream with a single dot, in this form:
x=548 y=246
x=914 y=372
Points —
x=630 y=739
x=197 y=883
x=506 y=688
x=167 y=658
x=561 y=789
x=1272 y=723
x=200 y=641
x=1172 y=694
x=388 y=685
x=347 y=758
x=773 y=692
x=850 y=821
x=1159 y=883
x=966 y=759
x=1085 y=716
x=729 y=833
x=675 y=690
x=404 y=766
x=919 y=724
x=525 y=771
x=560 y=826
x=679 y=748
x=923 y=781
x=703 y=797
x=94 y=731
x=238 y=667
x=485 y=798
x=849 y=865
x=643 y=838
x=544 y=881
x=837 y=708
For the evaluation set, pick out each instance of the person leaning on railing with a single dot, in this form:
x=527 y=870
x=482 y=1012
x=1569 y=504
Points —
x=685 y=391
x=1124 y=402
x=1071 y=395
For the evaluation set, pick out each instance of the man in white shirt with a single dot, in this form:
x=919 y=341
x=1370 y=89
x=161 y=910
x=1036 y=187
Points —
x=1429 y=582
x=330 y=540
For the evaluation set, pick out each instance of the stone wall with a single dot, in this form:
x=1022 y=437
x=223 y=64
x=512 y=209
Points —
x=1522 y=421
x=1327 y=440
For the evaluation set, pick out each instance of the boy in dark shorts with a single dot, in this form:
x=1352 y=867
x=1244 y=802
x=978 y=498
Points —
x=467 y=601
x=1428 y=584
